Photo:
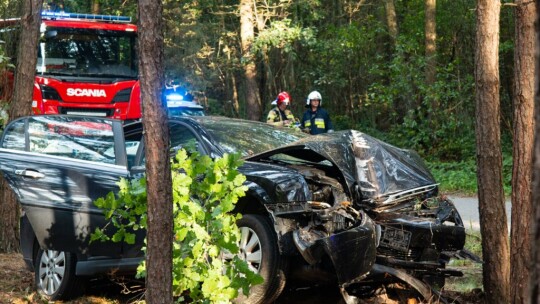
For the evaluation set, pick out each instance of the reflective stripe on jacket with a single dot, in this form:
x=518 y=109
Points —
x=317 y=122
x=274 y=116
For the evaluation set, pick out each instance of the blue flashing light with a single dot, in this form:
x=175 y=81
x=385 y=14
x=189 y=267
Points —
x=174 y=97
x=64 y=15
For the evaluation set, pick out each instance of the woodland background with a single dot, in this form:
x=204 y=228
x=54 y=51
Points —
x=401 y=70
x=394 y=69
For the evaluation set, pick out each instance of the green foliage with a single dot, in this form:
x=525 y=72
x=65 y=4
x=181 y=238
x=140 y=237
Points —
x=457 y=176
x=205 y=192
x=460 y=176
x=282 y=35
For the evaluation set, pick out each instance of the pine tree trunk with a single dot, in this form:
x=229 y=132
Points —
x=95 y=7
x=20 y=106
x=247 y=34
x=158 y=172
x=391 y=20
x=431 y=46
x=534 y=283
x=521 y=233
x=493 y=221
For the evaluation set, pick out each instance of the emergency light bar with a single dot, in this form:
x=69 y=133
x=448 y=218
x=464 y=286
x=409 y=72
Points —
x=64 y=15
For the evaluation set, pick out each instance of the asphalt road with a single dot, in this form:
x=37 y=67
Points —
x=468 y=209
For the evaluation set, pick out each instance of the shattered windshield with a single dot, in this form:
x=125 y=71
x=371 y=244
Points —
x=87 y=53
x=248 y=137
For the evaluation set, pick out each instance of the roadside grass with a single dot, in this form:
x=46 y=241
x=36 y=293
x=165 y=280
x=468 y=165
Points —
x=472 y=278
x=460 y=176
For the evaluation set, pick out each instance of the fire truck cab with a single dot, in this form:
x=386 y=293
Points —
x=87 y=65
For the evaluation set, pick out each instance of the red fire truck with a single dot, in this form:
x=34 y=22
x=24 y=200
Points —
x=87 y=65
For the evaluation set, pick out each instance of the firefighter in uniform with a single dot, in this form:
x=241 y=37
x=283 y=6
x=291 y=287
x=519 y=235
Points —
x=280 y=115
x=316 y=120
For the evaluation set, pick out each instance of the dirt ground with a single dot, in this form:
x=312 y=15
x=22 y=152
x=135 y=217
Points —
x=16 y=287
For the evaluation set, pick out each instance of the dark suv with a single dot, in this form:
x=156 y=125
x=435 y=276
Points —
x=344 y=204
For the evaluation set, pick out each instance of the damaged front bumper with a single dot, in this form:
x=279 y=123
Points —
x=340 y=234
x=420 y=235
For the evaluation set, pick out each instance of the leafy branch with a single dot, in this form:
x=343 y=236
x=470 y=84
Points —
x=205 y=192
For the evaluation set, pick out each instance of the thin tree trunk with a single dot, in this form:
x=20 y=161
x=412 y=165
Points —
x=236 y=105
x=521 y=233
x=534 y=285
x=391 y=20
x=158 y=171
x=247 y=34
x=20 y=106
x=493 y=222
x=431 y=46
x=95 y=7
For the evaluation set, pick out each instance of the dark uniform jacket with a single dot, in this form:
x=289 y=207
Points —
x=316 y=122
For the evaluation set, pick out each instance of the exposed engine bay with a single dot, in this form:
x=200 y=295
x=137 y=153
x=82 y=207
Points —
x=410 y=238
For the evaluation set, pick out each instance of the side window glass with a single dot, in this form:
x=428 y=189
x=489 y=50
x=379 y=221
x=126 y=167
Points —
x=133 y=142
x=81 y=138
x=181 y=137
x=14 y=138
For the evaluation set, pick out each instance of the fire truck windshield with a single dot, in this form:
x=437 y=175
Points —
x=81 y=52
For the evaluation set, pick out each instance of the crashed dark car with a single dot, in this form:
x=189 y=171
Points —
x=341 y=207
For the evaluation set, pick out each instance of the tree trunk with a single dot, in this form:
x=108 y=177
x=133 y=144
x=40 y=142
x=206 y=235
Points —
x=236 y=105
x=521 y=233
x=20 y=106
x=534 y=289
x=158 y=172
x=431 y=46
x=232 y=80
x=247 y=34
x=493 y=222
x=391 y=20
x=95 y=7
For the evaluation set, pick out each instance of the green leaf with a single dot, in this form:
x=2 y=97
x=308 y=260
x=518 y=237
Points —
x=204 y=192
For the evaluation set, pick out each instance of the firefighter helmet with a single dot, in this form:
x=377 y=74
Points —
x=283 y=97
x=314 y=96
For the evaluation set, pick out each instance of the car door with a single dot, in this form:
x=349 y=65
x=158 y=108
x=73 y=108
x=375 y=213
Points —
x=57 y=166
x=182 y=135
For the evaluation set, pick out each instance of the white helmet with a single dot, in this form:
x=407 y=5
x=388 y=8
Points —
x=314 y=95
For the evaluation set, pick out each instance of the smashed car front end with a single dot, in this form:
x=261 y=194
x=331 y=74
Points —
x=413 y=231
x=315 y=220
x=421 y=236
x=319 y=232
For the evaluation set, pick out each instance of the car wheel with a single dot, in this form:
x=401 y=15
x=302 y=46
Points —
x=55 y=275
x=259 y=248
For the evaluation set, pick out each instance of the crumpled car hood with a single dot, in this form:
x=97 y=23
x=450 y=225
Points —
x=379 y=171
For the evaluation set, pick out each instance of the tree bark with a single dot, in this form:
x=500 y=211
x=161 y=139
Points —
x=534 y=289
x=431 y=46
x=95 y=7
x=493 y=222
x=247 y=34
x=521 y=232
x=20 y=106
x=391 y=20
x=158 y=172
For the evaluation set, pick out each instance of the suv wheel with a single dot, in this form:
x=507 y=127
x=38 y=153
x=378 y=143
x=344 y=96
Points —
x=55 y=275
x=259 y=248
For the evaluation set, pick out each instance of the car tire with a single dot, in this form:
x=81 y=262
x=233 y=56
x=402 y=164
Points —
x=54 y=275
x=257 y=231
